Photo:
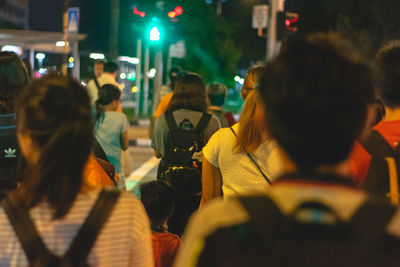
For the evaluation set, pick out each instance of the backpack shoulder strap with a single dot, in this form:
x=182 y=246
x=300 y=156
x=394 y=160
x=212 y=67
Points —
x=87 y=235
x=97 y=83
x=169 y=117
x=370 y=221
x=25 y=230
x=205 y=118
x=376 y=145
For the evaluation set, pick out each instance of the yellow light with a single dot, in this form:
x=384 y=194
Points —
x=135 y=89
x=71 y=60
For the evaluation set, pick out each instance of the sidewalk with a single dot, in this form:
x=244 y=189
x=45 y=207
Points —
x=140 y=131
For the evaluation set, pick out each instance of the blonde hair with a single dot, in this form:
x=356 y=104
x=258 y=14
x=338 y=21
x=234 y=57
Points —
x=250 y=136
x=252 y=79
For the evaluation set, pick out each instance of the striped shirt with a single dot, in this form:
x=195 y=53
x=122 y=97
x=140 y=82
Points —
x=125 y=239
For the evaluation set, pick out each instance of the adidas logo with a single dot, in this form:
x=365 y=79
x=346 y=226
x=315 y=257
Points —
x=10 y=153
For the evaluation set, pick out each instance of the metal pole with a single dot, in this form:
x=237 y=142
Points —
x=146 y=82
x=66 y=46
x=75 y=54
x=159 y=75
x=138 y=75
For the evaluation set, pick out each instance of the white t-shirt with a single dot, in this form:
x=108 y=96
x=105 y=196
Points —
x=124 y=240
x=239 y=175
x=109 y=134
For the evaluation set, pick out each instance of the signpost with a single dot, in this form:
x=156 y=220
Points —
x=260 y=18
x=73 y=19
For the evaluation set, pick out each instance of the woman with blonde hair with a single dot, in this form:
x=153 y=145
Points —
x=241 y=159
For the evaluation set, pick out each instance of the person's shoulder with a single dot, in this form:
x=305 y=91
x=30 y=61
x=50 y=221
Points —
x=216 y=214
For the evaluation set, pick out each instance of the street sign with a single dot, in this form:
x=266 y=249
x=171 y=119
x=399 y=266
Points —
x=73 y=20
x=178 y=50
x=260 y=16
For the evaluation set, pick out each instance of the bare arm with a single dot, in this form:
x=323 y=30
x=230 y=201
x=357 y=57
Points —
x=124 y=140
x=211 y=182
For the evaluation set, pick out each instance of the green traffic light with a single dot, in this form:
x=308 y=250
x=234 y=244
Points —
x=155 y=34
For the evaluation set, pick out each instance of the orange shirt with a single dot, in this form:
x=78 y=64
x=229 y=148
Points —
x=95 y=175
x=359 y=158
x=162 y=107
x=165 y=248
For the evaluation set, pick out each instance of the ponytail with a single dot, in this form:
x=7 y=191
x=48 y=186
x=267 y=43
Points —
x=107 y=94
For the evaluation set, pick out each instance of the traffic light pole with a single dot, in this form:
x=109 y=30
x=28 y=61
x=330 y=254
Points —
x=272 y=44
x=138 y=75
x=145 y=107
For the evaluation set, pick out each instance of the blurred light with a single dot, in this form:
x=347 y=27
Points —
x=71 y=60
x=12 y=48
x=42 y=70
x=241 y=81
x=83 y=83
x=237 y=78
x=132 y=60
x=154 y=34
x=154 y=19
x=171 y=14
x=132 y=76
x=152 y=73
x=38 y=75
x=40 y=56
x=122 y=76
x=178 y=10
x=135 y=89
x=137 y=12
x=96 y=56
x=60 y=43
x=70 y=65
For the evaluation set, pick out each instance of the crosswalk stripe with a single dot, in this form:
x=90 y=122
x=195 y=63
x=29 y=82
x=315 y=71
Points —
x=141 y=172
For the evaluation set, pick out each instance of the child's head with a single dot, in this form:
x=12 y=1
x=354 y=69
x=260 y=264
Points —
x=158 y=200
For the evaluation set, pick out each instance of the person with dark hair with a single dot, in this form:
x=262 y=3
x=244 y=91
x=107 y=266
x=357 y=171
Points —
x=164 y=93
x=314 y=215
x=179 y=135
x=216 y=93
x=108 y=76
x=387 y=65
x=187 y=104
x=13 y=78
x=42 y=219
x=158 y=200
x=111 y=128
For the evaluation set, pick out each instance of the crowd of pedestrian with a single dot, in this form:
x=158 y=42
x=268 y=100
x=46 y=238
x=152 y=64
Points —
x=307 y=177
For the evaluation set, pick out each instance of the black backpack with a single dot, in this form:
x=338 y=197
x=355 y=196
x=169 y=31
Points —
x=383 y=177
x=312 y=235
x=9 y=151
x=35 y=249
x=181 y=165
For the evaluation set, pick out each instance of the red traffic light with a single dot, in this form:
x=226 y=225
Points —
x=139 y=13
x=178 y=10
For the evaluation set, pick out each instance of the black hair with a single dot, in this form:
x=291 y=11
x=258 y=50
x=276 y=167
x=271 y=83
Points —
x=387 y=65
x=189 y=93
x=158 y=199
x=110 y=67
x=13 y=78
x=316 y=94
x=107 y=94
x=216 y=93
x=55 y=113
